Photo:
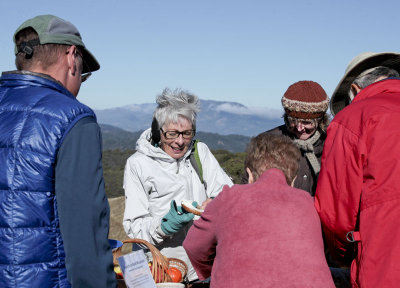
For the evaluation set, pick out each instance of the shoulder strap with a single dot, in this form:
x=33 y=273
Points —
x=196 y=163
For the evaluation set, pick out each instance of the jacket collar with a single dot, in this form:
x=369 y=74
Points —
x=273 y=175
x=34 y=79
x=385 y=85
x=144 y=146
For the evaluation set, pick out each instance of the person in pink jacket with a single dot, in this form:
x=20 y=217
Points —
x=262 y=234
x=358 y=191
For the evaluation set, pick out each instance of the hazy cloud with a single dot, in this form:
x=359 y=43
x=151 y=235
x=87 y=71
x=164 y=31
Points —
x=264 y=112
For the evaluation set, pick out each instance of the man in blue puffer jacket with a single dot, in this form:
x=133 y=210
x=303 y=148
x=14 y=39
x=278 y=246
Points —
x=54 y=214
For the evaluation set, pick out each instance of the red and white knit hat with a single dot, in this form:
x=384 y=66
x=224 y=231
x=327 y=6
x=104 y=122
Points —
x=305 y=100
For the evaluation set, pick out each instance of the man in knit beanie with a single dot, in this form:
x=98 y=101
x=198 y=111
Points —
x=305 y=104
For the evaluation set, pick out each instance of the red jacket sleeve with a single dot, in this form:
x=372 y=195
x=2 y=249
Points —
x=339 y=187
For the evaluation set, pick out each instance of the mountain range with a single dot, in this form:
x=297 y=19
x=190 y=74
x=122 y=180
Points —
x=218 y=117
x=116 y=138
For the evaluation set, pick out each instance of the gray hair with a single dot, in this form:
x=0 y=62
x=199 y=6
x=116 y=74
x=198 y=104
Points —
x=174 y=104
x=370 y=76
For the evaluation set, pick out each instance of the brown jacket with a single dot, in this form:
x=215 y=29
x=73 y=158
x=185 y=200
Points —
x=306 y=179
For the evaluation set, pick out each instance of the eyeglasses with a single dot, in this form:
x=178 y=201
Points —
x=306 y=123
x=187 y=134
x=84 y=76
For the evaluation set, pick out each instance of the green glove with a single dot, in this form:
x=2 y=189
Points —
x=175 y=219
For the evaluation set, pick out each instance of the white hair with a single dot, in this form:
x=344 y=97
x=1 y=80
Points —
x=176 y=104
x=370 y=76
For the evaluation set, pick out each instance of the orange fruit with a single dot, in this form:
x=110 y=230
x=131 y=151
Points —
x=175 y=274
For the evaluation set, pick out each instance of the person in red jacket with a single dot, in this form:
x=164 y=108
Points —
x=358 y=195
x=265 y=233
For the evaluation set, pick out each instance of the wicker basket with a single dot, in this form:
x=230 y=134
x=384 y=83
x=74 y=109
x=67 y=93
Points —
x=159 y=261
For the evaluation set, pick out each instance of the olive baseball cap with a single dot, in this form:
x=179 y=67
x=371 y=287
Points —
x=54 y=30
x=362 y=62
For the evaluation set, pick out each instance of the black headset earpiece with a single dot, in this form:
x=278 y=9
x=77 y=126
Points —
x=155 y=132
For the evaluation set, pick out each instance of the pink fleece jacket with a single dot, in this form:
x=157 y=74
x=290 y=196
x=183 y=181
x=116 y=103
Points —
x=265 y=234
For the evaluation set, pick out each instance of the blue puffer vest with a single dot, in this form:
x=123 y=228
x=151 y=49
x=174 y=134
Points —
x=35 y=115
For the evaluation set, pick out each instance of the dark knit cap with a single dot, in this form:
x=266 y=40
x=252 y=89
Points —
x=305 y=100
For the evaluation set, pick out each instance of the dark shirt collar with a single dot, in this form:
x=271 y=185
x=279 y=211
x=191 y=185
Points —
x=24 y=72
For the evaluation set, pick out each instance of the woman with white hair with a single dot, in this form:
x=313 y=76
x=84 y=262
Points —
x=160 y=175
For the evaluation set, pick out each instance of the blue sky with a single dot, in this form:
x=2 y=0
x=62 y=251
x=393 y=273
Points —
x=241 y=51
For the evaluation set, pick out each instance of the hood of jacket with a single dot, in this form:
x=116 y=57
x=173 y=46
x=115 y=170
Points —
x=143 y=145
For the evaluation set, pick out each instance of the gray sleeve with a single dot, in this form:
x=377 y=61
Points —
x=83 y=207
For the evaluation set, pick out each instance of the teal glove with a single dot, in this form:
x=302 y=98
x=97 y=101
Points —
x=175 y=219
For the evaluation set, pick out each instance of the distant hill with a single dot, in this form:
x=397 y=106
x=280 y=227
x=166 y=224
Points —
x=116 y=138
x=223 y=118
x=232 y=143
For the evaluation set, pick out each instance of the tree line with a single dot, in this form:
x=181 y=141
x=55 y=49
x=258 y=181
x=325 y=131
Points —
x=114 y=163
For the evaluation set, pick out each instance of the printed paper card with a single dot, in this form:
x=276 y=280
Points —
x=136 y=270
